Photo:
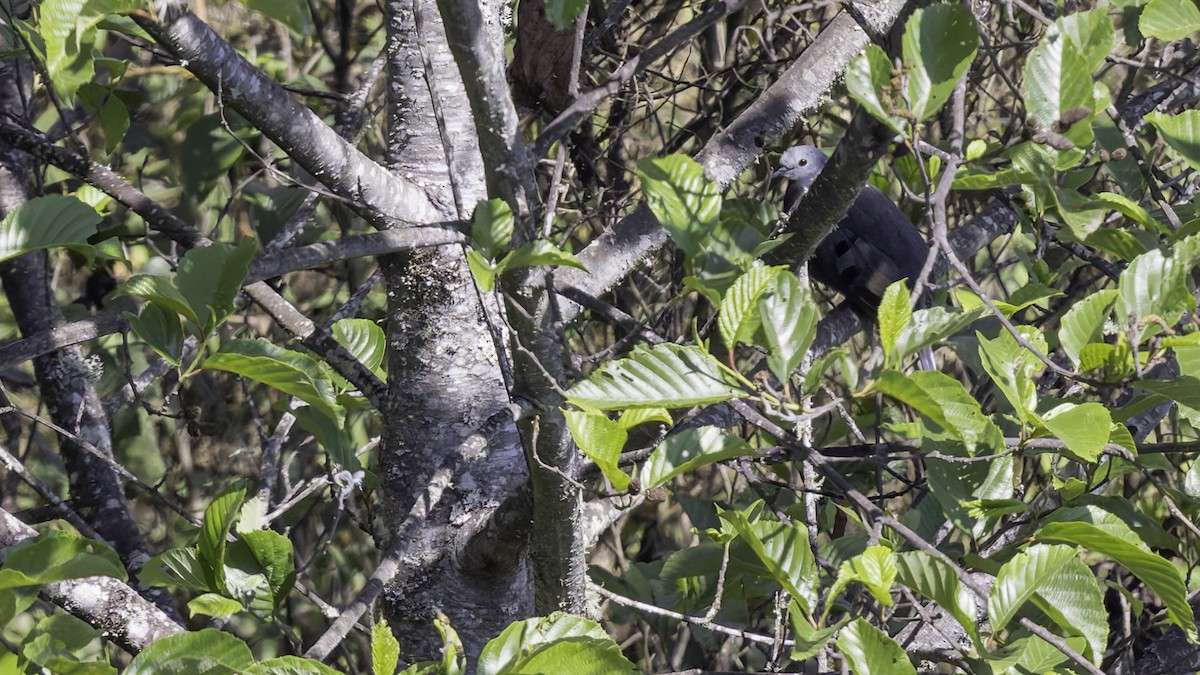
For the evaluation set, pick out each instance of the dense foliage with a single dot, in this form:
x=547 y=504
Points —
x=552 y=392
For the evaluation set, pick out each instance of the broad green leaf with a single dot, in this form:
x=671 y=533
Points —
x=930 y=326
x=291 y=665
x=161 y=330
x=207 y=153
x=739 y=318
x=1061 y=586
x=540 y=252
x=203 y=652
x=789 y=319
x=601 y=440
x=944 y=401
x=783 y=549
x=211 y=544
x=1154 y=285
x=662 y=376
x=1154 y=571
x=290 y=372
x=213 y=604
x=292 y=13
x=68 y=59
x=210 y=277
x=1182 y=390
x=689 y=450
x=179 y=567
x=54 y=555
x=1170 y=20
x=895 y=314
x=972 y=495
x=632 y=418
x=563 y=12
x=939 y=43
x=482 y=270
x=1084 y=322
x=809 y=639
x=736 y=241
x=1182 y=131
x=1012 y=368
x=934 y=579
x=869 y=81
x=558 y=643
x=276 y=558
x=48 y=222
x=1091 y=33
x=109 y=110
x=1058 y=82
x=161 y=292
x=1083 y=427
x=365 y=340
x=874 y=568
x=385 y=649
x=868 y=651
x=685 y=202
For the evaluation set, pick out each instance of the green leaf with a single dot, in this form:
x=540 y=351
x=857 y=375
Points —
x=161 y=330
x=869 y=81
x=291 y=372
x=292 y=13
x=868 y=650
x=492 y=228
x=632 y=418
x=1182 y=131
x=1155 y=285
x=161 y=292
x=939 y=43
x=685 y=202
x=385 y=649
x=972 y=495
x=783 y=549
x=1062 y=587
x=563 y=12
x=54 y=555
x=207 y=153
x=689 y=450
x=875 y=568
x=1012 y=368
x=946 y=403
x=1154 y=571
x=809 y=639
x=789 y=320
x=275 y=557
x=218 y=519
x=365 y=340
x=934 y=579
x=1170 y=20
x=540 y=252
x=1084 y=322
x=203 y=652
x=1057 y=81
x=210 y=277
x=894 y=315
x=47 y=222
x=1183 y=390
x=662 y=376
x=601 y=440
x=291 y=665
x=109 y=110
x=930 y=326
x=558 y=643
x=213 y=604
x=483 y=271
x=1083 y=427
x=179 y=567
x=68 y=57
x=739 y=319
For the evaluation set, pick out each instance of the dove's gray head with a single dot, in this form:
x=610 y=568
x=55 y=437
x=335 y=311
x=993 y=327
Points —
x=800 y=164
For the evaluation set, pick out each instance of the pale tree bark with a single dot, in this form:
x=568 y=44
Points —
x=448 y=402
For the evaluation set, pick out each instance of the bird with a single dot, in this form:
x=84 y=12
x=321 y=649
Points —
x=873 y=246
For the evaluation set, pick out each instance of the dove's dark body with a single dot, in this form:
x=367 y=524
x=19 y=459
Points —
x=873 y=246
